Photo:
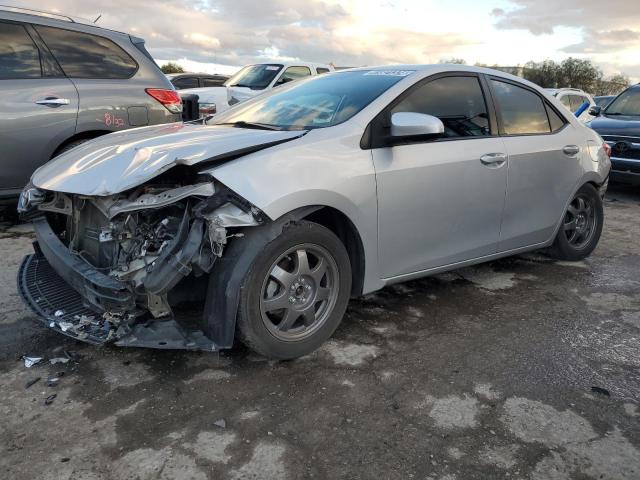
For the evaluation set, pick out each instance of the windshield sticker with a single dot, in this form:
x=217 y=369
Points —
x=271 y=67
x=390 y=73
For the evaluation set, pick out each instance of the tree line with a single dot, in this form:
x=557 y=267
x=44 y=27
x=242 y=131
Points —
x=569 y=73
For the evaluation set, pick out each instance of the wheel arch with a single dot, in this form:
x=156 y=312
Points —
x=87 y=135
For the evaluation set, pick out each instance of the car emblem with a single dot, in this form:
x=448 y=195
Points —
x=621 y=147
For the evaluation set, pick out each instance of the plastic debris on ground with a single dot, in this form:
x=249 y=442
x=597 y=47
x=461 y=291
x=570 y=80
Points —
x=220 y=423
x=31 y=361
x=31 y=383
x=53 y=361
x=49 y=400
x=601 y=391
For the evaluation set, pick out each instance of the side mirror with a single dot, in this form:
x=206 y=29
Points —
x=410 y=124
x=595 y=111
x=282 y=81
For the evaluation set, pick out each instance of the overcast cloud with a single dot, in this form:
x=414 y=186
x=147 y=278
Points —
x=358 y=32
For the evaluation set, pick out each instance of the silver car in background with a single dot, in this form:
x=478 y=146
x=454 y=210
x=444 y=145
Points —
x=65 y=81
x=267 y=218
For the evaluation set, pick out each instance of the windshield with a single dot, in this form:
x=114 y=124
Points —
x=317 y=102
x=627 y=103
x=255 y=77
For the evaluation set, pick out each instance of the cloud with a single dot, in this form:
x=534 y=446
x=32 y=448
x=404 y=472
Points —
x=240 y=31
x=543 y=16
x=607 y=41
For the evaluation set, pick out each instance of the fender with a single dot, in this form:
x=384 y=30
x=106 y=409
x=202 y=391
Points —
x=225 y=279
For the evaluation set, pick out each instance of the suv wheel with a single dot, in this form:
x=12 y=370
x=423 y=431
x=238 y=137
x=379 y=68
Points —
x=581 y=226
x=295 y=293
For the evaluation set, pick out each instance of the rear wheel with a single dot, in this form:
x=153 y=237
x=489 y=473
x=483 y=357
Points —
x=581 y=226
x=295 y=293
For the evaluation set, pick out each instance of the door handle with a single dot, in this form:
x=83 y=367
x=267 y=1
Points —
x=493 y=160
x=571 y=150
x=53 y=102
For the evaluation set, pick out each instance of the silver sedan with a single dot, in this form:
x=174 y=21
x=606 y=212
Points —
x=267 y=218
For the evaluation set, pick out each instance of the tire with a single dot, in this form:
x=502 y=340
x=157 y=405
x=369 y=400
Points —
x=289 y=307
x=581 y=226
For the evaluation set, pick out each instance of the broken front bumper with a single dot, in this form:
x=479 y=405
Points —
x=73 y=298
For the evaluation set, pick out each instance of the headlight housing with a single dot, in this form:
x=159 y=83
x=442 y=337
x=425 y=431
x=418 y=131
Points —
x=30 y=197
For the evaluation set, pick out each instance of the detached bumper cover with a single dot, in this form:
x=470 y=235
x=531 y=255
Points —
x=58 y=305
x=75 y=299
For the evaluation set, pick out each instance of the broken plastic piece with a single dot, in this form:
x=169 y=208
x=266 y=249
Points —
x=64 y=326
x=31 y=383
x=53 y=361
x=59 y=313
x=220 y=423
x=31 y=361
x=49 y=400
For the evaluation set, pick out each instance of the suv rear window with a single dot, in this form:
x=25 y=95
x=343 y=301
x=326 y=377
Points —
x=19 y=57
x=82 y=55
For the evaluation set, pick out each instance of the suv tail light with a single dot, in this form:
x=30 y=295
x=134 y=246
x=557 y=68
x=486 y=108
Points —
x=607 y=149
x=169 y=98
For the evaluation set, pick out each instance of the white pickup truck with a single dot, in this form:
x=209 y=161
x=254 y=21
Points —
x=250 y=81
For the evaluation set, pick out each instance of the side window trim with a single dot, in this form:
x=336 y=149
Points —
x=369 y=142
x=56 y=68
x=544 y=103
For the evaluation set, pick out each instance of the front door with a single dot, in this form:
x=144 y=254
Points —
x=441 y=201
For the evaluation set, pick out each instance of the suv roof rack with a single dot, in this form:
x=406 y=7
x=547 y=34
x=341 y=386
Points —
x=38 y=13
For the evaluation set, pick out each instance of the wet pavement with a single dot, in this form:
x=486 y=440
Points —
x=524 y=368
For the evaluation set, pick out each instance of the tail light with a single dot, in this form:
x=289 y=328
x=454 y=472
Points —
x=607 y=149
x=168 y=98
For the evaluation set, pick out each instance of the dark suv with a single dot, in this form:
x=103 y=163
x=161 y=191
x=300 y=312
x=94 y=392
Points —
x=619 y=126
x=64 y=82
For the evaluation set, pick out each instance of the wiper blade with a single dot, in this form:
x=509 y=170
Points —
x=254 y=125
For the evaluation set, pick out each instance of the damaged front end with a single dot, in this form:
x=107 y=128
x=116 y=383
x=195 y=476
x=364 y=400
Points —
x=129 y=268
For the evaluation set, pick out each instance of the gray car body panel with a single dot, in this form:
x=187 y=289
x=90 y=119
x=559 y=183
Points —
x=30 y=134
x=395 y=219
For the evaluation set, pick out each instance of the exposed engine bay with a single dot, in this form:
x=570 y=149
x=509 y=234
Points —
x=131 y=258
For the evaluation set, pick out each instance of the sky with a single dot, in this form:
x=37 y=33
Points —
x=221 y=35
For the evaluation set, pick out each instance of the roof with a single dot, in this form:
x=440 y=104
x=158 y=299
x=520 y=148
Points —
x=30 y=13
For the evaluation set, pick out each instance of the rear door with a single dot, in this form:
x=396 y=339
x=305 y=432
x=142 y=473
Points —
x=38 y=105
x=440 y=201
x=110 y=83
x=543 y=151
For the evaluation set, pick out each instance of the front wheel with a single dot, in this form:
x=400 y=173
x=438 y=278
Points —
x=581 y=226
x=296 y=292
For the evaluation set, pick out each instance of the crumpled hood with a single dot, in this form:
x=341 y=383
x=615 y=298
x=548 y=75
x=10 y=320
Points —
x=119 y=161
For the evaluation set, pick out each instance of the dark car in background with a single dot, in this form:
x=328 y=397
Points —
x=603 y=100
x=182 y=81
x=65 y=81
x=619 y=126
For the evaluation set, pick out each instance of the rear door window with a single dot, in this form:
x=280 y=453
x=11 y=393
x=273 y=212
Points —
x=566 y=101
x=577 y=101
x=212 y=82
x=322 y=70
x=522 y=111
x=19 y=56
x=186 y=82
x=457 y=101
x=293 y=73
x=82 y=55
